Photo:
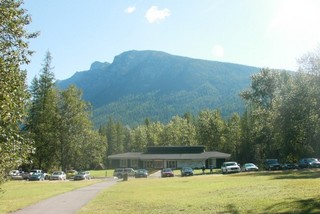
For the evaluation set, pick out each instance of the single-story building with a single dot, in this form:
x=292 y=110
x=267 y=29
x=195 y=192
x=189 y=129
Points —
x=158 y=157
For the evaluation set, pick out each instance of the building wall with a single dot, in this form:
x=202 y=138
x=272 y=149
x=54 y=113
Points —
x=160 y=164
x=195 y=164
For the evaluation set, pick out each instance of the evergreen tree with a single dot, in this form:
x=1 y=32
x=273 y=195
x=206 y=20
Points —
x=43 y=118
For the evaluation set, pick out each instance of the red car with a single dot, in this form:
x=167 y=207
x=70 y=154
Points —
x=167 y=173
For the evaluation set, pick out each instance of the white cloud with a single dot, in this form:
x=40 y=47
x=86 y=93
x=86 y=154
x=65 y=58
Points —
x=130 y=9
x=155 y=15
x=218 y=51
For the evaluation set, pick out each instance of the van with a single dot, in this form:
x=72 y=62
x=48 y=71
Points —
x=119 y=172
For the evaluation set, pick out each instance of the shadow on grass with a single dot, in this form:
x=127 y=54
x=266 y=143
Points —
x=311 y=205
x=300 y=174
x=288 y=174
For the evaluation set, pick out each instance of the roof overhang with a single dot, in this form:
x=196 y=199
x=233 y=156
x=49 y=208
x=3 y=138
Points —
x=143 y=156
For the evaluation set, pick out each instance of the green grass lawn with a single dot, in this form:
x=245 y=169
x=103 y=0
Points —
x=101 y=173
x=263 y=192
x=15 y=195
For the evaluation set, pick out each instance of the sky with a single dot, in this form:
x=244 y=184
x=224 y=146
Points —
x=262 y=33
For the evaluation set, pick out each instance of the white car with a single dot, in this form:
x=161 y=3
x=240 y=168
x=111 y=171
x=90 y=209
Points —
x=248 y=167
x=230 y=167
x=58 y=175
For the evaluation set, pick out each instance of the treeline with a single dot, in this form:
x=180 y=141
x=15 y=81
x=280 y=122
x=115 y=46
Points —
x=133 y=110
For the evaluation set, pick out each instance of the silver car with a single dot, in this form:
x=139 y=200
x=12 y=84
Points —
x=58 y=175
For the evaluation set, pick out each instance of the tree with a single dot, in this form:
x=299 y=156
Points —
x=211 y=130
x=14 y=52
x=43 y=118
x=233 y=136
x=115 y=134
x=260 y=100
x=179 y=132
x=154 y=131
x=300 y=122
x=139 y=139
x=77 y=140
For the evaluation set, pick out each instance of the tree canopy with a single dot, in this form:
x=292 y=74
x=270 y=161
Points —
x=14 y=52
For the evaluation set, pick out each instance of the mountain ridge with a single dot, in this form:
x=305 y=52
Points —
x=158 y=85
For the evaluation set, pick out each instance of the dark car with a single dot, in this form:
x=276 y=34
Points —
x=84 y=175
x=37 y=176
x=309 y=163
x=167 y=173
x=186 y=171
x=288 y=166
x=272 y=164
x=141 y=173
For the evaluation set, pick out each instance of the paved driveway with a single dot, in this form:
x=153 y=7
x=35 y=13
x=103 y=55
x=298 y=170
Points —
x=69 y=202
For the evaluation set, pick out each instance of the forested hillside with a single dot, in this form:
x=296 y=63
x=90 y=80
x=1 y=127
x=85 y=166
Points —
x=157 y=85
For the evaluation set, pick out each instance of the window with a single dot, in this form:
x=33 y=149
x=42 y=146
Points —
x=134 y=163
x=158 y=164
x=172 y=164
x=149 y=164
x=123 y=163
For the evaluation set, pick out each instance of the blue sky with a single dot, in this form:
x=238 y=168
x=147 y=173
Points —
x=263 y=33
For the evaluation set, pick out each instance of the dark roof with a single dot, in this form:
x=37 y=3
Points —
x=182 y=156
x=175 y=149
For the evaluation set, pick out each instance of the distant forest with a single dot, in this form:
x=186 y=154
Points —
x=158 y=86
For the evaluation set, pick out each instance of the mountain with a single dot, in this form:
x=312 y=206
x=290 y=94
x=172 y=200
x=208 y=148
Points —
x=157 y=85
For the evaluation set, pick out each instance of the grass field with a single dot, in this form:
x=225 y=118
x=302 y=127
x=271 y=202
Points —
x=15 y=195
x=263 y=192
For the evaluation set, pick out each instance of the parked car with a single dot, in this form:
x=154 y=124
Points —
x=58 y=175
x=16 y=174
x=83 y=175
x=71 y=173
x=248 y=167
x=288 y=166
x=25 y=175
x=186 y=171
x=230 y=167
x=38 y=171
x=141 y=173
x=272 y=164
x=37 y=176
x=167 y=172
x=309 y=163
x=119 y=172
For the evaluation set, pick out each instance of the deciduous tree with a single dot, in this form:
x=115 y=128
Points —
x=14 y=52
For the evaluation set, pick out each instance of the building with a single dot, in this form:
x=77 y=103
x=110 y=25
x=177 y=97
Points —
x=158 y=157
